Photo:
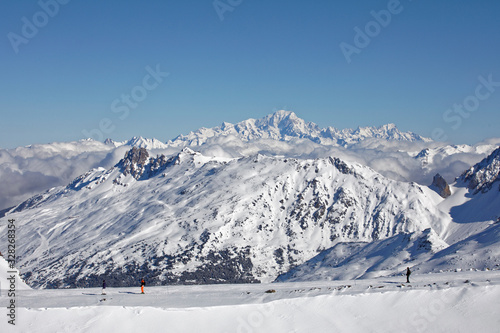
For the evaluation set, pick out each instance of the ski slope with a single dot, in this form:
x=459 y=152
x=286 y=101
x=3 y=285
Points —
x=440 y=302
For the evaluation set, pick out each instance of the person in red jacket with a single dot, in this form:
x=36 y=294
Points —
x=143 y=283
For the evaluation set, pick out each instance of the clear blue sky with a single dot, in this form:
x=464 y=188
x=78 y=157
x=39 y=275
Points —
x=245 y=60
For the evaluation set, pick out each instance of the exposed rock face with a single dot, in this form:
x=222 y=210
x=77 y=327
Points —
x=134 y=161
x=440 y=185
x=138 y=163
x=481 y=176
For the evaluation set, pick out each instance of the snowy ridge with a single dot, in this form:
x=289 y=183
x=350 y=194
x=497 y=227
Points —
x=139 y=142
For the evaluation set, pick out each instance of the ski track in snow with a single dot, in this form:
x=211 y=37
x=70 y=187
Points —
x=445 y=302
x=43 y=247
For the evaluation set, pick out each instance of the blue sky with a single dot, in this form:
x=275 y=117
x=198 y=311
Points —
x=423 y=65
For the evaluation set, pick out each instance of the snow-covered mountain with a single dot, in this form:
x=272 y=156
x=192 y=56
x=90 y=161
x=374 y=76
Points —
x=193 y=218
x=189 y=218
x=286 y=126
x=267 y=198
x=484 y=175
x=469 y=238
x=139 y=142
x=26 y=171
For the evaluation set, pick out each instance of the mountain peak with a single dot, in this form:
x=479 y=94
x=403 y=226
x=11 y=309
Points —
x=388 y=127
x=134 y=162
x=281 y=115
x=139 y=142
x=188 y=151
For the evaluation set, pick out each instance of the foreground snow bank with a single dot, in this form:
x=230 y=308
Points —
x=463 y=302
x=460 y=310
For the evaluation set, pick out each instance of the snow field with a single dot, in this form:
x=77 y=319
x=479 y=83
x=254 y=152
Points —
x=447 y=302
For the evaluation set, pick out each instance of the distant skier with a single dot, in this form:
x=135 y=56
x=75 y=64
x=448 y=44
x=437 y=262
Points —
x=104 y=287
x=408 y=272
x=143 y=283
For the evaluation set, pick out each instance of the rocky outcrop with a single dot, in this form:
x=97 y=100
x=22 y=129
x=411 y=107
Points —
x=440 y=185
x=138 y=163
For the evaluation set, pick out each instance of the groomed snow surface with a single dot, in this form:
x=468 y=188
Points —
x=439 y=302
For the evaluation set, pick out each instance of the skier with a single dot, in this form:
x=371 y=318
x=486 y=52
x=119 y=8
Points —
x=104 y=287
x=408 y=272
x=143 y=283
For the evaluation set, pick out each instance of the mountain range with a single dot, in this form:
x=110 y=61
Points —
x=263 y=200
x=405 y=156
x=286 y=126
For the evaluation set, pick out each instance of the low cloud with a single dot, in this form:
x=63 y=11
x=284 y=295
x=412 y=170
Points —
x=27 y=171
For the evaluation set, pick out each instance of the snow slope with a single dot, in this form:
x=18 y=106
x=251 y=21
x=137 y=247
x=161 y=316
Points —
x=5 y=273
x=452 y=302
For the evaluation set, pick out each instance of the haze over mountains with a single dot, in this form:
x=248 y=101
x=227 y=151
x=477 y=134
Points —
x=267 y=199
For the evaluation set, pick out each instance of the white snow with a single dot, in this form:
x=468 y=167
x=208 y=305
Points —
x=6 y=272
x=451 y=302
